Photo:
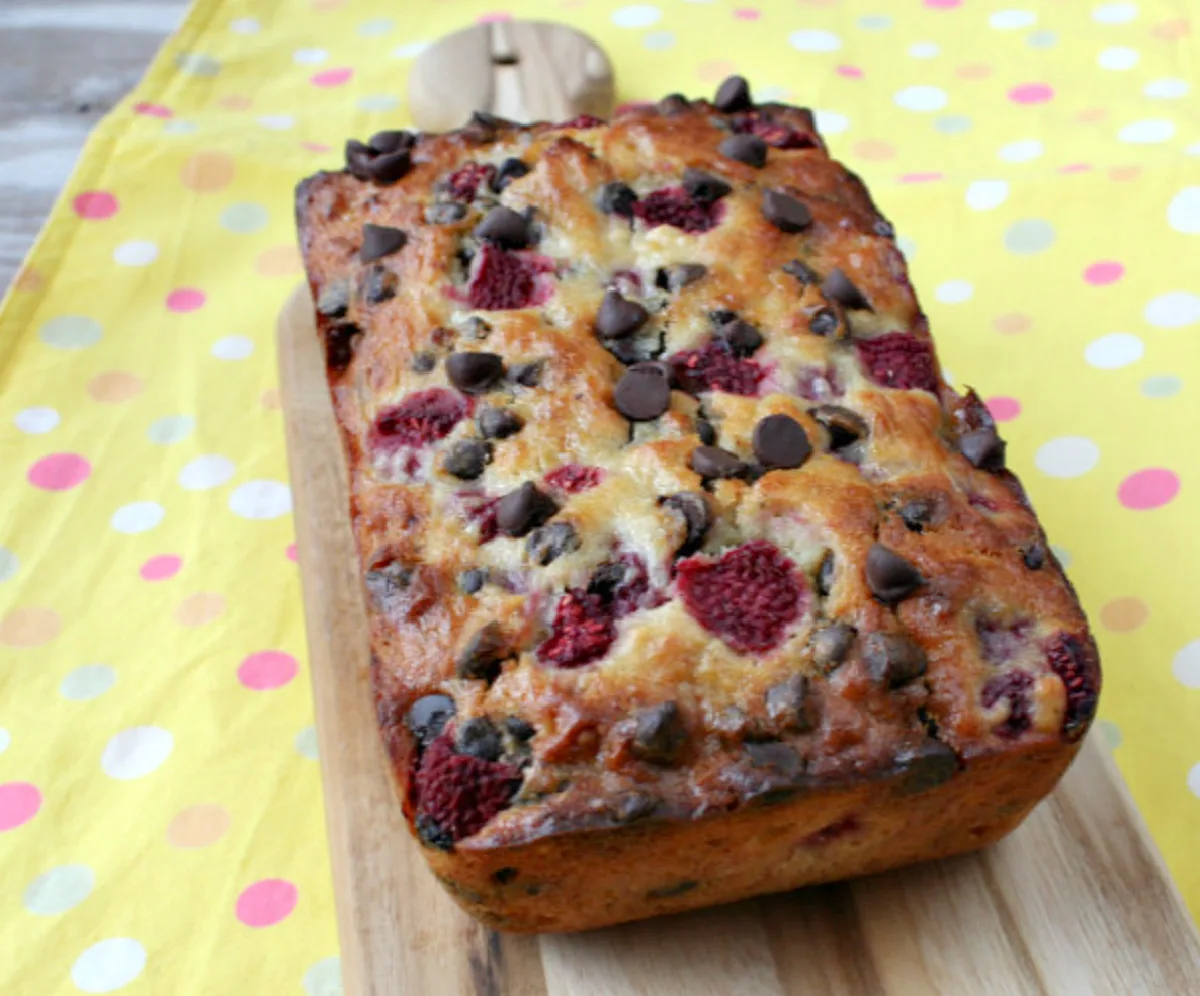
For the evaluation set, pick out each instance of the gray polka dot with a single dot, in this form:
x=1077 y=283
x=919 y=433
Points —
x=171 y=429
x=1029 y=236
x=58 y=890
x=1111 y=733
x=375 y=28
x=379 y=102
x=658 y=41
x=71 y=332
x=952 y=124
x=1161 y=386
x=8 y=563
x=324 y=978
x=197 y=64
x=1041 y=39
x=1063 y=556
x=245 y=218
x=87 y=682
x=875 y=22
x=306 y=743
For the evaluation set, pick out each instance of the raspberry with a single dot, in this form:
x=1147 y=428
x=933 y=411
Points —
x=460 y=793
x=832 y=832
x=464 y=182
x=420 y=418
x=675 y=206
x=581 y=121
x=774 y=133
x=573 y=478
x=1075 y=663
x=713 y=367
x=1000 y=643
x=1012 y=687
x=582 y=631
x=480 y=510
x=899 y=360
x=749 y=597
x=502 y=280
x=977 y=500
x=623 y=584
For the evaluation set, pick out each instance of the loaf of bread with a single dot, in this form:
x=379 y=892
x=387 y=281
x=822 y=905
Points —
x=688 y=576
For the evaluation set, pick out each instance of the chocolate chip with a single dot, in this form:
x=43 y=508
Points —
x=692 y=507
x=426 y=717
x=423 y=362
x=481 y=657
x=638 y=348
x=1035 y=557
x=713 y=462
x=479 y=738
x=379 y=284
x=703 y=186
x=785 y=212
x=379 y=241
x=519 y=729
x=721 y=316
x=502 y=876
x=742 y=337
x=498 y=423
x=468 y=458
x=830 y=645
x=825 y=574
x=634 y=806
x=674 y=889
x=524 y=509
x=748 y=149
x=675 y=278
x=925 y=767
x=527 y=374
x=917 y=513
x=472 y=581
x=509 y=170
x=884 y=228
x=801 y=271
x=660 y=734
x=391 y=141
x=672 y=104
x=366 y=163
x=505 y=228
x=706 y=432
x=780 y=442
x=775 y=757
x=889 y=576
x=643 y=394
x=547 y=544
x=983 y=448
x=617 y=198
x=733 y=95
x=892 y=660
x=838 y=287
x=339 y=345
x=789 y=704
x=434 y=835
x=474 y=373
x=618 y=317
x=483 y=126
x=477 y=329
x=445 y=212
x=334 y=300
x=824 y=322
x=844 y=426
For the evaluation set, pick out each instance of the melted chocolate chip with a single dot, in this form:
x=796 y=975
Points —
x=703 y=186
x=379 y=284
x=498 y=423
x=527 y=374
x=785 y=212
x=925 y=767
x=547 y=544
x=427 y=716
x=824 y=322
x=379 y=241
x=339 y=345
x=830 y=645
x=706 y=432
x=423 y=362
x=468 y=458
x=692 y=507
x=674 y=889
x=713 y=462
x=844 y=426
x=748 y=149
x=889 y=576
x=801 y=271
x=617 y=198
x=917 y=513
x=983 y=448
x=892 y=660
x=365 y=163
x=385 y=581
x=478 y=737
x=524 y=509
x=472 y=581
x=777 y=758
x=483 y=126
x=660 y=734
x=825 y=574
x=519 y=729
x=789 y=704
x=474 y=373
x=1035 y=557
x=672 y=104
x=430 y=833
x=477 y=329
x=445 y=212
x=509 y=170
x=618 y=317
x=634 y=806
x=481 y=657
x=733 y=95
x=503 y=876
x=780 y=442
x=884 y=228
x=643 y=394
x=638 y=348
x=741 y=337
x=839 y=287
x=504 y=227
x=675 y=278
x=334 y=300
x=391 y=141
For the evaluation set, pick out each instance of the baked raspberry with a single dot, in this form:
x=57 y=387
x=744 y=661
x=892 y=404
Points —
x=582 y=630
x=774 y=133
x=749 y=597
x=899 y=360
x=573 y=478
x=675 y=206
x=421 y=418
x=464 y=182
x=581 y=121
x=840 y=828
x=480 y=510
x=501 y=280
x=713 y=367
x=624 y=585
x=1012 y=687
x=1001 y=642
x=1075 y=663
x=976 y=500
x=460 y=793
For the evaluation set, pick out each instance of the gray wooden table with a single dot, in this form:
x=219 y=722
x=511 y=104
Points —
x=63 y=64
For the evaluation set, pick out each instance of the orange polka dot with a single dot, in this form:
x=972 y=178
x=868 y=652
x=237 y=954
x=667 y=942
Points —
x=28 y=281
x=327 y=4
x=873 y=150
x=1012 y=323
x=269 y=399
x=29 y=627
x=1123 y=614
x=200 y=609
x=201 y=825
x=1092 y=115
x=278 y=261
x=207 y=171
x=115 y=386
x=236 y=102
x=1122 y=174
x=715 y=70
x=1179 y=27
x=973 y=71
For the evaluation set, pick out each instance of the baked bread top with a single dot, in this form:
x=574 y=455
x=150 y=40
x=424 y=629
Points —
x=661 y=500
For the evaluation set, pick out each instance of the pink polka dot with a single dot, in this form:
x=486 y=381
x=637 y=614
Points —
x=1003 y=409
x=1147 y=489
x=265 y=903
x=95 y=205
x=496 y=15
x=160 y=568
x=942 y=4
x=919 y=177
x=153 y=110
x=267 y=669
x=59 y=472
x=185 y=299
x=747 y=14
x=1107 y=271
x=1031 y=93
x=291 y=552
x=850 y=72
x=1076 y=168
x=332 y=77
x=19 y=803
x=316 y=147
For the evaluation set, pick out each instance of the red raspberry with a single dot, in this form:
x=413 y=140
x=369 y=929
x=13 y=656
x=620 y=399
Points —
x=832 y=832
x=774 y=133
x=502 y=280
x=582 y=630
x=482 y=511
x=675 y=206
x=713 y=367
x=573 y=478
x=749 y=597
x=1014 y=688
x=420 y=418
x=1074 y=662
x=581 y=121
x=465 y=181
x=977 y=500
x=460 y=793
x=899 y=360
x=1001 y=643
x=624 y=584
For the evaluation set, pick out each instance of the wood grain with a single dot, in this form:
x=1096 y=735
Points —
x=1076 y=902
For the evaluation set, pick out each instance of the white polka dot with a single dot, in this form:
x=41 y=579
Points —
x=277 y=122
x=261 y=500
x=5 y=740
x=9 y=563
x=324 y=978
x=109 y=965
x=954 y=292
x=36 y=421
x=170 y=429
x=831 y=122
x=1114 y=13
x=410 y=50
x=1193 y=779
x=1148 y=131
x=136 y=252
x=233 y=347
x=58 y=890
x=208 y=471
x=1183 y=213
x=306 y=744
x=1186 y=665
x=1118 y=58
x=924 y=99
x=177 y=126
x=245 y=26
x=1012 y=20
x=1067 y=456
x=1173 y=310
x=924 y=50
x=769 y=94
x=138 y=517
x=813 y=40
x=87 y=682
x=1166 y=89
x=136 y=752
x=1193 y=149
x=948 y=377
x=1024 y=151
x=984 y=195
x=1061 y=554
x=638 y=15
x=309 y=56
x=1113 y=351
x=906 y=246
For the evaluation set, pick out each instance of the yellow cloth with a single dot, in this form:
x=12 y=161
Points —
x=160 y=808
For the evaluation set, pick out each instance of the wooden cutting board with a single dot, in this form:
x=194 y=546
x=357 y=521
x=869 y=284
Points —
x=1075 y=902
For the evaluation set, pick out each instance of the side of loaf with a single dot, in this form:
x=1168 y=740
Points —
x=688 y=576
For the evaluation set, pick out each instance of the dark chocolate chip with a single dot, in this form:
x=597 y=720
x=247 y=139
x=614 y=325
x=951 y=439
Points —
x=660 y=734
x=445 y=212
x=477 y=328
x=483 y=127
x=721 y=316
x=423 y=362
x=517 y=728
x=706 y=432
x=334 y=300
x=527 y=374
x=551 y=541
x=983 y=448
x=365 y=163
x=675 y=278
x=617 y=198
x=692 y=507
x=474 y=373
x=427 y=716
x=748 y=149
x=498 y=423
x=379 y=284
x=643 y=394
x=524 y=509
x=638 y=348
x=634 y=806
x=472 y=581
x=889 y=576
x=509 y=170
x=481 y=657
x=825 y=574
x=884 y=228
x=713 y=462
x=925 y=767
x=780 y=442
x=778 y=758
x=607 y=578
x=339 y=345
x=674 y=889
x=618 y=317
x=379 y=241
x=917 y=513
x=672 y=104
x=479 y=738
x=505 y=228
x=844 y=426
x=830 y=645
x=431 y=833
x=733 y=95
x=892 y=660
x=742 y=337
x=502 y=876
x=1035 y=557
x=838 y=287
x=785 y=212
x=789 y=704
x=824 y=322
x=468 y=458
x=801 y=271
x=703 y=186
x=383 y=142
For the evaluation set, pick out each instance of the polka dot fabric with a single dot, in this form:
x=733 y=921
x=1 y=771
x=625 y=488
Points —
x=1040 y=163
